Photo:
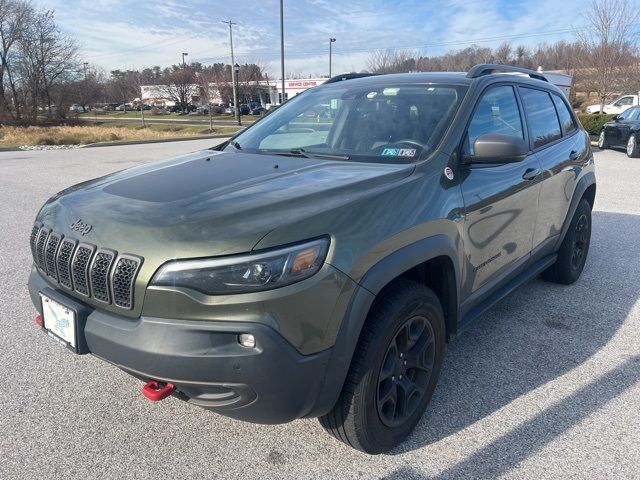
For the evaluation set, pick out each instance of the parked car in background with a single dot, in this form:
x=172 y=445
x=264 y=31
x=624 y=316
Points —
x=214 y=109
x=245 y=109
x=78 y=107
x=124 y=107
x=143 y=107
x=258 y=110
x=623 y=131
x=617 y=106
x=183 y=108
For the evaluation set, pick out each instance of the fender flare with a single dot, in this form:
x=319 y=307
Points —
x=370 y=285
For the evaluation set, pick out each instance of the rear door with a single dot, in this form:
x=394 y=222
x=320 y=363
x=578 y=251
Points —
x=560 y=148
x=500 y=199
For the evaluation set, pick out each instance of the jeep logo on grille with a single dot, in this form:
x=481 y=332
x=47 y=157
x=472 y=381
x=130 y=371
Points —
x=80 y=226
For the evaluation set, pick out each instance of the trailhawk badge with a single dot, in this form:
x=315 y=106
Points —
x=448 y=172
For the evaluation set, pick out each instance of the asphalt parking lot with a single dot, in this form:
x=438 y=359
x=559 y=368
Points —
x=545 y=385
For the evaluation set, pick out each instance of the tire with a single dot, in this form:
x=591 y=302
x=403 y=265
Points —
x=405 y=324
x=602 y=141
x=632 y=147
x=573 y=251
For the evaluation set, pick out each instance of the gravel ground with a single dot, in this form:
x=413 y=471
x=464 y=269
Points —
x=545 y=385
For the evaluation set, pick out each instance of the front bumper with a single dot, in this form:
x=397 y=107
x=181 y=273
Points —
x=271 y=383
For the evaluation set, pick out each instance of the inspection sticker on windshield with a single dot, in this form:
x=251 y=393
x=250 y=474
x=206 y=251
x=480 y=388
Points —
x=399 y=152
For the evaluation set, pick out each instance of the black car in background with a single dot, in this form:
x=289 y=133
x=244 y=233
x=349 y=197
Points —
x=623 y=131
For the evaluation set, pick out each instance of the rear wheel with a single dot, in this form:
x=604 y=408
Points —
x=394 y=370
x=574 y=248
x=602 y=141
x=632 y=147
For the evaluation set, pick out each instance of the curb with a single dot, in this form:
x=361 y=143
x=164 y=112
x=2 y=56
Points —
x=10 y=149
x=116 y=143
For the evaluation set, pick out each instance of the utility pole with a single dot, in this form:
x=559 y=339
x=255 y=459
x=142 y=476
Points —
x=331 y=40
x=84 y=66
x=233 y=74
x=184 y=65
x=282 y=47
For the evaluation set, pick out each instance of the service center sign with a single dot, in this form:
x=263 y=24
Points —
x=302 y=84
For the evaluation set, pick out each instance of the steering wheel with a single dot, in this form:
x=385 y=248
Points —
x=411 y=142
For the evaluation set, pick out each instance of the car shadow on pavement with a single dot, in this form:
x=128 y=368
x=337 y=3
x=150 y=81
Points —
x=498 y=457
x=540 y=332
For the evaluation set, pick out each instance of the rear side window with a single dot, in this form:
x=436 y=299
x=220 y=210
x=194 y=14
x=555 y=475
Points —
x=566 y=120
x=497 y=112
x=541 y=116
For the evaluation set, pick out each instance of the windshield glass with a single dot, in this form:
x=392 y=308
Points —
x=390 y=124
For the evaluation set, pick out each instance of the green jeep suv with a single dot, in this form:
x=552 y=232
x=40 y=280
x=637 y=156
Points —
x=314 y=266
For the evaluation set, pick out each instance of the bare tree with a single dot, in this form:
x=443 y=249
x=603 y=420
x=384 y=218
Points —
x=15 y=18
x=609 y=42
x=47 y=57
x=179 y=85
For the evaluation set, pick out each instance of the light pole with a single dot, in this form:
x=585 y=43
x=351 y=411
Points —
x=184 y=54
x=236 y=69
x=233 y=76
x=331 y=40
x=282 y=47
x=84 y=66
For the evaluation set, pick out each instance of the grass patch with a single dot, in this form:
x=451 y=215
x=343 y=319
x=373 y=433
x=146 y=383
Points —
x=85 y=134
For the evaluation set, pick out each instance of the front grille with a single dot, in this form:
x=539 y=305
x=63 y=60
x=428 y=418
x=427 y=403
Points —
x=100 y=269
x=97 y=273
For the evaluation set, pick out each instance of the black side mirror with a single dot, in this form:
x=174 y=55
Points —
x=497 y=148
x=616 y=118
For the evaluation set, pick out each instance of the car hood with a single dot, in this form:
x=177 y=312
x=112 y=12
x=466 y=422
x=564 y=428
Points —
x=208 y=203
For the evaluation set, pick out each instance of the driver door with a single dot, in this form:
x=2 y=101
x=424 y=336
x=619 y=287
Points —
x=500 y=199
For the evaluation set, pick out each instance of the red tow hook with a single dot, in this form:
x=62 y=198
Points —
x=156 y=391
x=39 y=321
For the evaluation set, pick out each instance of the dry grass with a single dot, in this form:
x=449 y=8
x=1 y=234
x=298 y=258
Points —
x=82 y=135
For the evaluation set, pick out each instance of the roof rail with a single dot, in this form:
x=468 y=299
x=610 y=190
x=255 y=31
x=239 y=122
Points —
x=489 y=68
x=349 y=76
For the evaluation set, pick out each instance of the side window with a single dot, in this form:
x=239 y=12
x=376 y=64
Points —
x=566 y=120
x=626 y=115
x=633 y=113
x=624 y=101
x=497 y=112
x=541 y=116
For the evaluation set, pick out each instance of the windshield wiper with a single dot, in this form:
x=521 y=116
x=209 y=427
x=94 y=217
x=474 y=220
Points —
x=301 y=152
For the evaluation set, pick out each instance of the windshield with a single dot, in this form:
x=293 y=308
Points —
x=390 y=124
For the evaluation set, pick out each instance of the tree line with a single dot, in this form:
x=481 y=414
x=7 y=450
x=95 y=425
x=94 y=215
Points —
x=603 y=57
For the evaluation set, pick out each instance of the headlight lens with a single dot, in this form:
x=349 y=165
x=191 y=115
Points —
x=246 y=273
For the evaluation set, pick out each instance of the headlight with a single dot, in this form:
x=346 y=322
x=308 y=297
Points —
x=245 y=273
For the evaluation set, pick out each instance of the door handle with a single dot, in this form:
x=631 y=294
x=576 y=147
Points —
x=574 y=155
x=531 y=173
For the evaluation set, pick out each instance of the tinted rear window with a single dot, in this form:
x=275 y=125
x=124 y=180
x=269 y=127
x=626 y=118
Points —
x=566 y=120
x=541 y=116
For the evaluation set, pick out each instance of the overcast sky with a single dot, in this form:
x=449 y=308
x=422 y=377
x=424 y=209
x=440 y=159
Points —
x=135 y=34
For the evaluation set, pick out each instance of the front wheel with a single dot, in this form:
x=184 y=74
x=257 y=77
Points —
x=632 y=147
x=394 y=370
x=602 y=141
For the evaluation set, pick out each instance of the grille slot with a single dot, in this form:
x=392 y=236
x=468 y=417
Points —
x=34 y=237
x=100 y=268
x=40 y=244
x=50 y=252
x=123 y=280
x=80 y=268
x=65 y=255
